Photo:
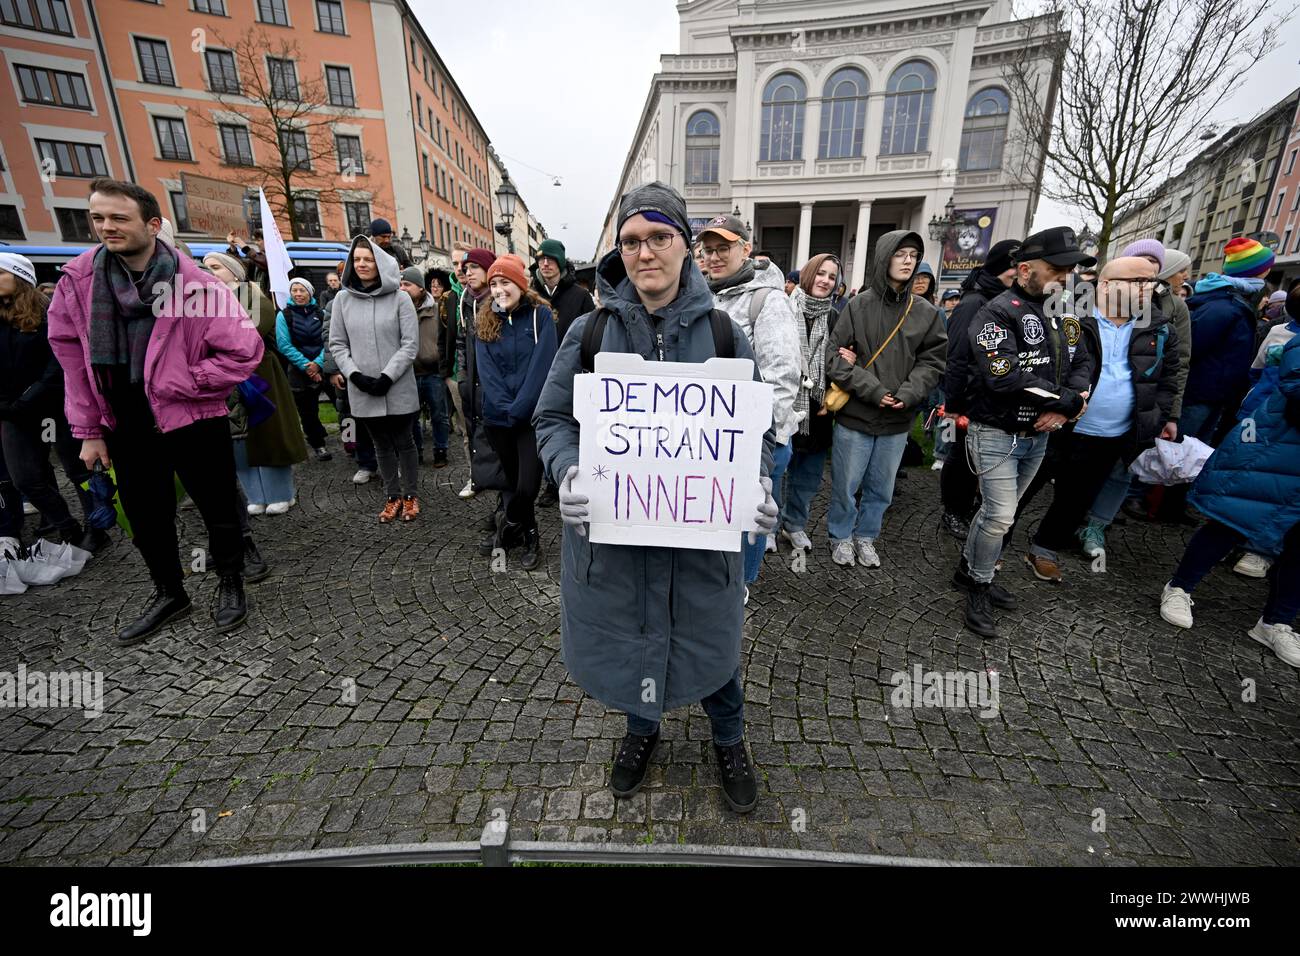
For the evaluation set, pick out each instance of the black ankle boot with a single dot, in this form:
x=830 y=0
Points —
x=164 y=606
x=979 y=611
x=231 y=606
x=255 y=566
x=93 y=540
x=739 y=785
x=631 y=763
x=999 y=596
x=532 y=555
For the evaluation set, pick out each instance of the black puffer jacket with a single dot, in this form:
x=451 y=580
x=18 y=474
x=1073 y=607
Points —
x=1154 y=363
x=569 y=301
x=1017 y=347
x=31 y=380
x=979 y=288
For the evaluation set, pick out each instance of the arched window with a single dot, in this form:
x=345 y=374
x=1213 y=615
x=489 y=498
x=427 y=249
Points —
x=703 y=136
x=984 y=133
x=844 y=114
x=908 y=105
x=783 y=105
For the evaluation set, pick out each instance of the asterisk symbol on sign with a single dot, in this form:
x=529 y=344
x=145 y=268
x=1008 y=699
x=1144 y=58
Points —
x=600 y=473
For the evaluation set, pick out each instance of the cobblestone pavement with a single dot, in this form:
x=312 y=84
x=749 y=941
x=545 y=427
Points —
x=1117 y=740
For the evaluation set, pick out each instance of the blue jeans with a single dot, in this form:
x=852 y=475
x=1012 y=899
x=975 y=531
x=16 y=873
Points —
x=869 y=462
x=802 y=479
x=262 y=485
x=1118 y=486
x=940 y=434
x=754 y=552
x=1200 y=421
x=1005 y=464
x=726 y=710
x=432 y=391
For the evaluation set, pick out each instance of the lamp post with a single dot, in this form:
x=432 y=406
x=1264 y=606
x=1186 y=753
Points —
x=507 y=196
x=940 y=227
x=420 y=248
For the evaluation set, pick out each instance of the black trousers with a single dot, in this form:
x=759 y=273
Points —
x=306 y=397
x=27 y=457
x=395 y=450
x=145 y=459
x=959 y=488
x=1080 y=466
x=517 y=449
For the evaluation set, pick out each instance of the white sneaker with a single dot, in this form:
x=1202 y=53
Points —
x=746 y=596
x=1176 y=606
x=937 y=466
x=279 y=507
x=866 y=551
x=1281 y=638
x=1252 y=565
x=362 y=476
x=257 y=509
x=799 y=540
x=842 y=553
x=468 y=491
x=771 y=544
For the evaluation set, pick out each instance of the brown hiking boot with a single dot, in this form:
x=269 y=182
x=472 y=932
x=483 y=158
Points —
x=410 y=508
x=392 y=510
x=1045 y=569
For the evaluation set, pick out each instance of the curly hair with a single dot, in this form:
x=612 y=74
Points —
x=26 y=310
x=487 y=324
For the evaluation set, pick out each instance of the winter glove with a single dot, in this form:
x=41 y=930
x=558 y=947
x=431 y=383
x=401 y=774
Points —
x=767 y=512
x=364 y=382
x=573 y=506
x=382 y=385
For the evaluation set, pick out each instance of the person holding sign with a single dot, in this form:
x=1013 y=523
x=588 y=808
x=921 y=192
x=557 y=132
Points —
x=887 y=351
x=647 y=629
x=514 y=344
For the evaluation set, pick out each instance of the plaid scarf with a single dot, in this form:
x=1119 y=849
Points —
x=122 y=316
x=814 y=353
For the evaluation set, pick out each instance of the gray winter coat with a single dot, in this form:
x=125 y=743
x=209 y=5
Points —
x=376 y=333
x=774 y=336
x=1175 y=310
x=643 y=629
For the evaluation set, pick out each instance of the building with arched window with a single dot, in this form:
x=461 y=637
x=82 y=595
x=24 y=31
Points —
x=826 y=123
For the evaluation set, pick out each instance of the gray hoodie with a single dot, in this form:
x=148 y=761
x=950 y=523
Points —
x=642 y=629
x=774 y=336
x=376 y=333
x=909 y=367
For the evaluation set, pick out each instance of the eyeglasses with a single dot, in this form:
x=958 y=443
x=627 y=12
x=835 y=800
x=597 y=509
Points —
x=660 y=241
x=1138 y=280
x=905 y=255
x=717 y=252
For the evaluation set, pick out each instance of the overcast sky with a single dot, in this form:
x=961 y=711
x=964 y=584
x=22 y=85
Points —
x=560 y=87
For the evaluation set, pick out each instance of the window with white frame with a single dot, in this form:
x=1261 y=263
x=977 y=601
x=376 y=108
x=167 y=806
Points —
x=908 y=105
x=703 y=142
x=984 y=133
x=844 y=114
x=781 y=134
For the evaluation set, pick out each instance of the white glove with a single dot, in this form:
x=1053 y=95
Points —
x=573 y=506
x=767 y=512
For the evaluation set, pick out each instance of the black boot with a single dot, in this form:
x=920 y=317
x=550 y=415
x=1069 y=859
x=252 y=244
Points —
x=94 y=540
x=532 y=555
x=739 y=784
x=231 y=606
x=631 y=763
x=491 y=539
x=512 y=534
x=255 y=566
x=163 y=607
x=955 y=525
x=979 y=611
x=489 y=524
x=999 y=596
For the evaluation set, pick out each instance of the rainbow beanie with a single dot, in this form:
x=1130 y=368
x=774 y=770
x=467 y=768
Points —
x=1247 y=259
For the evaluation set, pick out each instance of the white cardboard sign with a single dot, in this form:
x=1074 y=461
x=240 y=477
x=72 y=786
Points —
x=670 y=453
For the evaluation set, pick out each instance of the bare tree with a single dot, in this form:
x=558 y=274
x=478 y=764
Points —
x=1136 y=80
x=290 y=120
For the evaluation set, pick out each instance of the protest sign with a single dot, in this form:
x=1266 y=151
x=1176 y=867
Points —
x=670 y=452
x=214 y=207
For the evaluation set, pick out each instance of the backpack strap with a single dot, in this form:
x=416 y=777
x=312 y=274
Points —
x=724 y=334
x=593 y=333
x=757 y=301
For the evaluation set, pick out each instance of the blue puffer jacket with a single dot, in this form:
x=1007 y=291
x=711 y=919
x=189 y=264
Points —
x=512 y=370
x=1254 y=486
x=1223 y=340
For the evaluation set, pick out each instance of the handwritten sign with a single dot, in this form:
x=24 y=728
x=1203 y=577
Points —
x=215 y=207
x=670 y=452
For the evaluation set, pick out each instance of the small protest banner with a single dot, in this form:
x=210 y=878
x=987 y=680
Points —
x=215 y=207
x=670 y=452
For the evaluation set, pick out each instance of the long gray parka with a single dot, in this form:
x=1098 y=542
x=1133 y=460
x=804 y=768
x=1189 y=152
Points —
x=644 y=629
x=376 y=333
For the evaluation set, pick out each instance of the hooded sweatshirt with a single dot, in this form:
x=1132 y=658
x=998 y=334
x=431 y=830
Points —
x=568 y=299
x=908 y=367
x=375 y=331
x=774 y=337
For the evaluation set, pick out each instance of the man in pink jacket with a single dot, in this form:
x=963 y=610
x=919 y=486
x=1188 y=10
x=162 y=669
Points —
x=151 y=346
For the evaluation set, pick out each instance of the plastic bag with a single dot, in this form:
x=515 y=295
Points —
x=47 y=563
x=1172 y=463
x=10 y=582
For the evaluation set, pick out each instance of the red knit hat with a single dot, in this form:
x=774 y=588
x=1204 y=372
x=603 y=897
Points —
x=510 y=267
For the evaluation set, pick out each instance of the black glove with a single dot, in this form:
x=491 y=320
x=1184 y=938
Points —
x=382 y=385
x=364 y=382
x=1071 y=403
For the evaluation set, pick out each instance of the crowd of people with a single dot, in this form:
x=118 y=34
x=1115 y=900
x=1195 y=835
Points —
x=1043 y=368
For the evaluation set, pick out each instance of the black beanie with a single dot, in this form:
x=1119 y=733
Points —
x=998 y=260
x=660 y=198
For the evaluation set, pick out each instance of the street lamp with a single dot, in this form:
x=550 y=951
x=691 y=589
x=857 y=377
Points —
x=405 y=240
x=507 y=196
x=421 y=247
x=940 y=227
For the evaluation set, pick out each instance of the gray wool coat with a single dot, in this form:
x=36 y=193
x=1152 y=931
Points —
x=374 y=333
x=643 y=629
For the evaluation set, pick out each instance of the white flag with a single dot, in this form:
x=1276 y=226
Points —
x=277 y=254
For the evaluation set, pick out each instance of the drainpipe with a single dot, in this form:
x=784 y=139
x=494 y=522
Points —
x=112 y=98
